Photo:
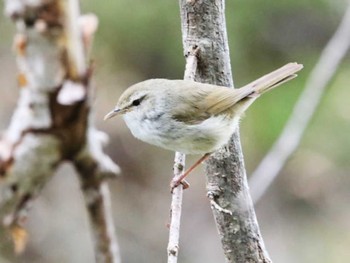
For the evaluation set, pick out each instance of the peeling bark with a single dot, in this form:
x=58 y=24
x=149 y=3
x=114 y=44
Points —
x=51 y=123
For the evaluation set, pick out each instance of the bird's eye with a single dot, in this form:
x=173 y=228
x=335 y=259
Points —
x=136 y=102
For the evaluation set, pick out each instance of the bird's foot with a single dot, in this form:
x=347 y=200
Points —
x=176 y=182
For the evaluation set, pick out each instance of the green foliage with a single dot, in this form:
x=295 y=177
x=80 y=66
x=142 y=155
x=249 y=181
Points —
x=141 y=36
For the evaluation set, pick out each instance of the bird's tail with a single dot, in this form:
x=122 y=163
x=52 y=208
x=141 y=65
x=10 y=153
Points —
x=274 y=79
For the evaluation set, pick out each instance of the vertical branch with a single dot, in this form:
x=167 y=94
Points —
x=74 y=39
x=113 y=243
x=204 y=26
x=175 y=210
x=304 y=109
x=97 y=198
x=91 y=164
x=179 y=166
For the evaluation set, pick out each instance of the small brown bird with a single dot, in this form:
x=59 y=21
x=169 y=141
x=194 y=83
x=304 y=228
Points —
x=191 y=117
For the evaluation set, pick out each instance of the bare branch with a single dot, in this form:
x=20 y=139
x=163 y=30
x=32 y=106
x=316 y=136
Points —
x=175 y=210
x=204 y=26
x=288 y=141
x=92 y=164
x=179 y=166
x=93 y=168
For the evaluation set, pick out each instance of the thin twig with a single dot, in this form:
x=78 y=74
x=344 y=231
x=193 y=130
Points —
x=175 y=210
x=179 y=166
x=303 y=111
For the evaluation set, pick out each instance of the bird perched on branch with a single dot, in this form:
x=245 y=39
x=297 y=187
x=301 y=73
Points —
x=191 y=117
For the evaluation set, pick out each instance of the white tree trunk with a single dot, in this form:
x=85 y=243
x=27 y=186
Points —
x=51 y=123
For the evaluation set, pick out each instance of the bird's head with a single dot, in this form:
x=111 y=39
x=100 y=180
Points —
x=136 y=96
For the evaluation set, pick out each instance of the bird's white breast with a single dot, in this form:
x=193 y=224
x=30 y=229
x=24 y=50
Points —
x=161 y=130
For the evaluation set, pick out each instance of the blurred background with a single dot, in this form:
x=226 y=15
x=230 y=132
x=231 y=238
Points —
x=305 y=215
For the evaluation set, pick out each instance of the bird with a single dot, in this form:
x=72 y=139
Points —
x=191 y=117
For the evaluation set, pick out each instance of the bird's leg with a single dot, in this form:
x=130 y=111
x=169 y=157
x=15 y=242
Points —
x=180 y=180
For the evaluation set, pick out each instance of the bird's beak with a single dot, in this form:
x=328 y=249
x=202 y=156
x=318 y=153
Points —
x=112 y=113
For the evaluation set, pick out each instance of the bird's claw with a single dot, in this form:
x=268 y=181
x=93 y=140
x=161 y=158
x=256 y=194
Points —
x=175 y=183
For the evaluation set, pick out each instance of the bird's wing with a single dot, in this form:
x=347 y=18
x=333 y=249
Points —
x=223 y=99
x=197 y=102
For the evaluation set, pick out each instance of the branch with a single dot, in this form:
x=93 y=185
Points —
x=204 y=26
x=93 y=168
x=175 y=210
x=290 y=138
x=179 y=167
x=51 y=123
x=92 y=165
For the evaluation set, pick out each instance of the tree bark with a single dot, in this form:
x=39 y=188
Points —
x=204 y=27
x=51 y=123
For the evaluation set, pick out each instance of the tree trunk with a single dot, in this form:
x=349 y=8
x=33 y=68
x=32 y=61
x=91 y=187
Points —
x=204 y=28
